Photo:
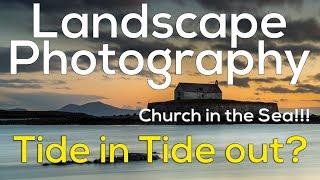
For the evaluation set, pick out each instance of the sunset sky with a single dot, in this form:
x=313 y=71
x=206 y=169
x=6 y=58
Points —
x=32 y=90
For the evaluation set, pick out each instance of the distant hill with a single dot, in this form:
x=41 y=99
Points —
x=17 y=109
x=96 y=109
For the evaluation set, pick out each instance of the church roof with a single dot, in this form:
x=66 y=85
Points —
x=194 y=87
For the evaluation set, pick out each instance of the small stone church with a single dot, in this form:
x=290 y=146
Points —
x=202 y=97
x=185 y=91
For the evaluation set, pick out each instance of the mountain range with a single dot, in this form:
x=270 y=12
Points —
x=96 y=109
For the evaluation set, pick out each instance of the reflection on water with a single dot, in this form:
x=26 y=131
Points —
x=219 y=136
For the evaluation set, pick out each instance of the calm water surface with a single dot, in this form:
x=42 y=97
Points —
x=219 y=136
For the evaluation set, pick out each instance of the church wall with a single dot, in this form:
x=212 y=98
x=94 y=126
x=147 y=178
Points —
x=197 y=95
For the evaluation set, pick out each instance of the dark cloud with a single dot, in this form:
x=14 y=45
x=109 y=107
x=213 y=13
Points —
x=277 y=89
x=271 y=79
x=240 y=82
x=58 y=82
x=264 y=80
x=288 y=78
x=244 y=6
x=20 y=83
x=245 y=82
x=308 y=88
x=63 y=88
x=238 y=63
x=75 y=5
x=297 y=31
x=251 y=45
x=20 y=86
x=317 y=77
x=55 y=62
x=28 y=83
x=46 y=101
x=5 y=58
x=300 y=88
x=302 y=30
x=143 y=46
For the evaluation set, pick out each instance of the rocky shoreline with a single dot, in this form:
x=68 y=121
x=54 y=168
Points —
x=119 y=159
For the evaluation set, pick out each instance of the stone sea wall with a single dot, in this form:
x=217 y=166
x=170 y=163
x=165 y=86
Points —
x=213 y=105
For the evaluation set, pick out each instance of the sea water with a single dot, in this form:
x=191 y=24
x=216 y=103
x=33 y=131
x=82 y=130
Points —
x=220 y=136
